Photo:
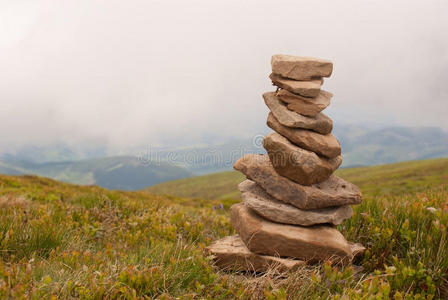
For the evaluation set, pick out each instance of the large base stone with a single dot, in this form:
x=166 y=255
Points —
x=300 y=67
x=272 y=209
x=320 y=123
x=322 y=144
x=312 y=244
x=230 y=253
x=299 y=165
x=333 y=192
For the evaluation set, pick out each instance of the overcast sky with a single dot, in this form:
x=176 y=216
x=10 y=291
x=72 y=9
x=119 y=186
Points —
x=124 y=73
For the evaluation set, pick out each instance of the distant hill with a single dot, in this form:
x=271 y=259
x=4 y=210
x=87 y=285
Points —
x=361 y=146
x=392 y=179
x=122 y=172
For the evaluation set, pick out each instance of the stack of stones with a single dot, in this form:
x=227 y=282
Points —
x=291 y=199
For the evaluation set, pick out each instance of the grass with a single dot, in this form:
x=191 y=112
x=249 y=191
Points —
x=64 y=241
x=397 y=178
x=214 y=186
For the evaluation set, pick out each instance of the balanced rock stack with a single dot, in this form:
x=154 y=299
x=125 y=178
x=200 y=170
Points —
x=291 y=199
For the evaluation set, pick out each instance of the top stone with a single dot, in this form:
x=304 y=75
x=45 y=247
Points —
x=300 y=67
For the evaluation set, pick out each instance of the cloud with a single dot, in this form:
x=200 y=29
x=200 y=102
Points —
x=125 y=73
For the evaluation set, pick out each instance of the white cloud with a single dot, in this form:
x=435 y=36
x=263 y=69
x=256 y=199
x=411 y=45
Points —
x=133 y=72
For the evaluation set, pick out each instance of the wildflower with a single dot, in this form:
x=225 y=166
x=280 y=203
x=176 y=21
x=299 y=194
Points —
x=431 y=209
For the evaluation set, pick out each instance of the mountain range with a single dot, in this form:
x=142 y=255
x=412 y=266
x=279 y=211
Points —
x=120 y=172
x=361 y=146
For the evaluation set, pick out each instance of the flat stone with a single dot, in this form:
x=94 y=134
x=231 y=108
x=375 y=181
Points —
x=299 y=165
x=335 y=191
x=322 y=144
x=303 y=105
x=309 y=88
x=320 y=123
x=272 y=209
x=311 y=244
x=300 y=67
x=230 y=253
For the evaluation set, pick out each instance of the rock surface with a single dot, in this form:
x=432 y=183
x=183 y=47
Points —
x=358 y=250
x=311 y=244
x=230 y=253
x=325 y=145
x=299 y=165
x=305 y=106
x=300 y=67
x=309 y=88
x=333 y=192
x=272 y=209
x=321 y=123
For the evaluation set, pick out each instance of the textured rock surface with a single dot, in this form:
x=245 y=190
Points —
x=230 y=253
x=333 y=192
x=311 y=244
x=322 y=144
x=300 y=165
x=303 y=105
x=358 y=249
x=321 y=123
x=300 y=67
x=309 y=88
x=272 y=209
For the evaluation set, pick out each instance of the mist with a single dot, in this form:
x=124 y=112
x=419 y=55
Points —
x=127 y=73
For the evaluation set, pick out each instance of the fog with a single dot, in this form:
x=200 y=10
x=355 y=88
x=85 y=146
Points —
x=129 y=73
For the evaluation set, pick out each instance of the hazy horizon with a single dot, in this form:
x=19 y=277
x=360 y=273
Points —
x=124 y=74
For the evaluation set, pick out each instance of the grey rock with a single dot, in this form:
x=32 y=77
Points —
x=299 y=165
x=303 y=105
x=311 y=244
x=230 y=253
x=309 y=88
x=322 y=144
x=272 y=209
x=335 y=191
x=300 y=67
x=358 y=249
x=320 y=123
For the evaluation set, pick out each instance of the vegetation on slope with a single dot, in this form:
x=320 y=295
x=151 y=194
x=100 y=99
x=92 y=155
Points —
x=394 y=179
x=119 y=172
x=65 y=241
x=221 y=185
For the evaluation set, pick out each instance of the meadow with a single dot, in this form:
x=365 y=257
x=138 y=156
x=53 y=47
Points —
x=62 y=241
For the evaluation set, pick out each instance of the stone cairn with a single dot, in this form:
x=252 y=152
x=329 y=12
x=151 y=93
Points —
x=291 y=199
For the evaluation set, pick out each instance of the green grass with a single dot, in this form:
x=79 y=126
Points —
x=64 y=241
x=214 y=186
x=398 y=178
x=394 y=179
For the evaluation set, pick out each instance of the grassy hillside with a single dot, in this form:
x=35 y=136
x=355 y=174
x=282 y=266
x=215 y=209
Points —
x=377 y=180
x=64 y=241
x=214 y=186
x=120 y=172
